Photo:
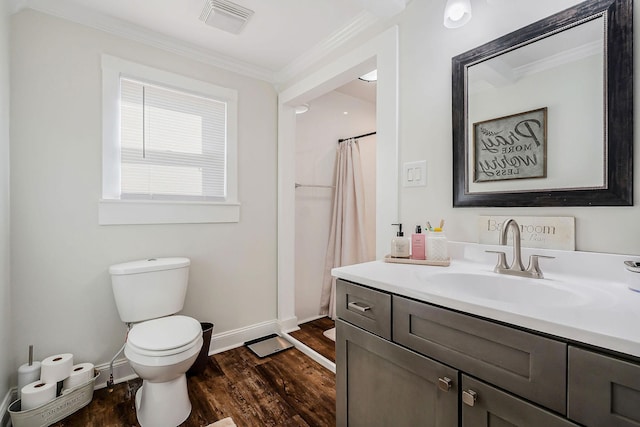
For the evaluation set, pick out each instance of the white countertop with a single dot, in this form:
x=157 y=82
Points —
x=604 y=313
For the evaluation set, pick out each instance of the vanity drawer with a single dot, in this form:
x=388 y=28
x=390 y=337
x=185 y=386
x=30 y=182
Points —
x=486 y=406
x=364 y=307
x=529 y=365
x=603 y=391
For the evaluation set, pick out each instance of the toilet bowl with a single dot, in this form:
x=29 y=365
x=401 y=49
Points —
x=160 y=351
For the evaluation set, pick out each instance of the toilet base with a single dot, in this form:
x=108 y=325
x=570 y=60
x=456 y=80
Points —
x=163 y=404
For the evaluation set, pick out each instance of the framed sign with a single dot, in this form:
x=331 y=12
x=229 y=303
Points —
x=535 y=231
x=511 y=147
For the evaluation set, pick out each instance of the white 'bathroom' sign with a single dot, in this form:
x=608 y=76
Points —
x=535 y=231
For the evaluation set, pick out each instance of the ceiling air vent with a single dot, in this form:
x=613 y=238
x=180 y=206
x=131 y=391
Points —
x=225 y=15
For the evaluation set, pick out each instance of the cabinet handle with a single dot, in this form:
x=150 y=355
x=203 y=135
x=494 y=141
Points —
x=359 y=306
x=444 y=384
x=469 y=397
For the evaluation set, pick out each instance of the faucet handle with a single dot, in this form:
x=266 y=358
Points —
x=536 y=257
x=534 y=266
x=502 y=260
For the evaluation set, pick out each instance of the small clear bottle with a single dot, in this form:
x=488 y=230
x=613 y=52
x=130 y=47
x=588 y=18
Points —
x=437 y=249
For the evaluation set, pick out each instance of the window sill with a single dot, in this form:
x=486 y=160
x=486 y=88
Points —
x=120 y=212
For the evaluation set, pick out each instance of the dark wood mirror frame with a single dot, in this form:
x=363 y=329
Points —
x=618 y=111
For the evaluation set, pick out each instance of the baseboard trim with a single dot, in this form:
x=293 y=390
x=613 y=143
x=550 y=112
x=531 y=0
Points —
x=5 y=418
x=121 y=372
x=311 y=319
x=237 y=337
x=219 y=342
x=288 y=325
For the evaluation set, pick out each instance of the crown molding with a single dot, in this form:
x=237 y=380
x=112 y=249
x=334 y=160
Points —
x=118 y=27
x=360 y=23
x=16 y=6
x=559 y=59
x=385 y=8
x=84 y=16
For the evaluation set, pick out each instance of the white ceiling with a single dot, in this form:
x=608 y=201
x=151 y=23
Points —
x=280 y=34
x=574 y=44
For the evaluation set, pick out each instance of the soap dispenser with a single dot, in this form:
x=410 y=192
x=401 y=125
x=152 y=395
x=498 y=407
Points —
x=418 y=244
x=400 y=244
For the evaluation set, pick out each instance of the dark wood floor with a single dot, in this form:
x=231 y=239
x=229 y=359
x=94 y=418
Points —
x=310 y=333
x=286 y=389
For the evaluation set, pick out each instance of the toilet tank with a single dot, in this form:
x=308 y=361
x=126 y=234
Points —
x=150 y=288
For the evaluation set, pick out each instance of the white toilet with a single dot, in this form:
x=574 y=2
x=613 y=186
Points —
x=161 y=346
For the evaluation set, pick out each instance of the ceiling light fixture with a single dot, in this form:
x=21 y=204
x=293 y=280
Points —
x=371 y=76
x=301 y=109
x=457 y=13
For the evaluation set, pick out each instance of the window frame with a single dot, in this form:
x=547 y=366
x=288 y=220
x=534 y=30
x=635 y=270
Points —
x=116 y=210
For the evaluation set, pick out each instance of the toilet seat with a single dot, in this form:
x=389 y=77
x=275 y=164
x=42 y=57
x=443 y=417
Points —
x=165 y=336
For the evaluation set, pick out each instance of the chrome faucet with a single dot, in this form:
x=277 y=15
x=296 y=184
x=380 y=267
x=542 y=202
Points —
x=516 y=268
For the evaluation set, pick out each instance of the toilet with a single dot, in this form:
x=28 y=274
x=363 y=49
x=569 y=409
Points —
x=161 y=345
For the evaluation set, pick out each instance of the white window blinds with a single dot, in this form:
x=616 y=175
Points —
x=173 y=144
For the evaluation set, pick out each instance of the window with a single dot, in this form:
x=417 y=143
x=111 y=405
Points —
x=172 y=144
x=169 y=148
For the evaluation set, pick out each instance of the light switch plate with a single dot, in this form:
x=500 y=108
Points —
x=414 y=174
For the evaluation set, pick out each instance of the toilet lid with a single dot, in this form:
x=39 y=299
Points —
x=165 y=333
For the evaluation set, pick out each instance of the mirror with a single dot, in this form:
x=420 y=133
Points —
x=544 y=116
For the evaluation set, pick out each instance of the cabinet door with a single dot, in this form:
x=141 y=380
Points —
x=381 y=384
x=486 y=406
x=603 y=391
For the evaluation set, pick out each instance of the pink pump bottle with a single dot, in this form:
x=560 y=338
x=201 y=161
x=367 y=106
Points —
x=418 y=244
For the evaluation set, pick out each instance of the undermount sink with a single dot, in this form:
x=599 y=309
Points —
x=505 y=289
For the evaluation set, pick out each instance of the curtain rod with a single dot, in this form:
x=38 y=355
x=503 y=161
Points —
x=314 y=185
x=356 y=137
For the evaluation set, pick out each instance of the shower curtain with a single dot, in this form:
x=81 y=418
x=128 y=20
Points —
x=347 y=243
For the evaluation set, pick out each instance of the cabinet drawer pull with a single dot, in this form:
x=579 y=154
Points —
x=444 y=383
x=469 y=397
x=360 y=306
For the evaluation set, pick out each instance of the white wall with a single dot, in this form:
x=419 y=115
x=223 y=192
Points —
x=425 y=61
x=317 y=135
x=60 y=255
x=426 y=49
x=6 y=355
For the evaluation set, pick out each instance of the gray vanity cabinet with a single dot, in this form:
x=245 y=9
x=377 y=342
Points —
x=603 y=391
x=486 y=406
x=401 y=362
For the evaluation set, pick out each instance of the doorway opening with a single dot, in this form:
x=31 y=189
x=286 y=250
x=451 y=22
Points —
x=379 y=53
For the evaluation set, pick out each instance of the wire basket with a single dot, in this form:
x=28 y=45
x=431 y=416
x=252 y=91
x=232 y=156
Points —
x=60 y=407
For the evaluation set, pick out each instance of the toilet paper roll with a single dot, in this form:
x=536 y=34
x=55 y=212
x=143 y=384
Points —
x=56 y=368
x=81 y=373
x=27 y=374
x=37 y=394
